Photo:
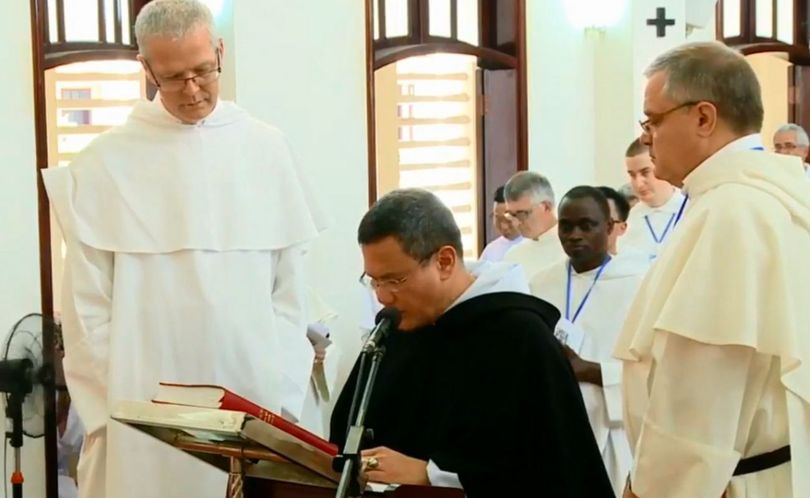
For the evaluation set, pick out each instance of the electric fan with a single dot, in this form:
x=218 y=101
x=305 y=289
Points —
x=23 y=378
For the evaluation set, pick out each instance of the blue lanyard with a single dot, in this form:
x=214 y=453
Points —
x=587 y=294
x=680 y=211
x=655 y=236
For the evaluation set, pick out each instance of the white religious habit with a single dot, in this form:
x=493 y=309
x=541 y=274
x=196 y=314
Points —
x=68 y=446
x=716 y=347
x=184 y=264
x=649 y=228
x=497 y=249
x=594 y=304
x=314 y=416
x=538 y=254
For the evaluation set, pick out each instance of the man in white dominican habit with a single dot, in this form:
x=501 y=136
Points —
x=184 y=230
x=593 y=290
x=530 y=201
x=716 y=347
x=652 y=221
x=791 y=139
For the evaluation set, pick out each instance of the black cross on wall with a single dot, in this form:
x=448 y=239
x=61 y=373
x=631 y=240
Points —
x=660 y=22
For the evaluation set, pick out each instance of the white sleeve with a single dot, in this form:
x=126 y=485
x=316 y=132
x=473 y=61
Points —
x=439 y=477
x=86 y=314
x=612 y=391
x=687 y=441
x=289 y=305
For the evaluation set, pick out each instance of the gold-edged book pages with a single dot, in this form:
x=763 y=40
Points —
x=216 y=436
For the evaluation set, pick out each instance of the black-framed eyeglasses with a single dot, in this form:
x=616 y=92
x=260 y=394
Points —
x=178 y=84
x=656 y=119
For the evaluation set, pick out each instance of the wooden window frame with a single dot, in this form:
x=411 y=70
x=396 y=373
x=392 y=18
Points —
x=749 y=43
x=47 y=55
x=384 y=51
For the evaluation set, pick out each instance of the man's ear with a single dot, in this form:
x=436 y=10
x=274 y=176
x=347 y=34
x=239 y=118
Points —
x=446 y=260
x=707 y=118
x=146 y=71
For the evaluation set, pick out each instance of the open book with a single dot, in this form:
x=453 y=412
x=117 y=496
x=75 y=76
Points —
x=208 y=396
x=216 y=436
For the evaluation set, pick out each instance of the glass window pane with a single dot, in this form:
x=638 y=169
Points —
x=53 y=30
x=81 y=20
x=433 y=155
x=74 y=143
x=436 y=64
x=439 y=13
x=73 y=117
x=784 y=21
x=119 y=67
x=126 y=29
x=434 y=177
x=434 y=110
x=376 y=19
x=396 y=18
x=109 y=20
x=468 y=21
x=437 y=132
x=764 y=18
x=731 y=18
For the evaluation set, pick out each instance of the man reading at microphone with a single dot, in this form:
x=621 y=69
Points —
x=473 y=391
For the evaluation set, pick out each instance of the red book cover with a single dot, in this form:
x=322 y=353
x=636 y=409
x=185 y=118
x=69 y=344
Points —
x=208 y=396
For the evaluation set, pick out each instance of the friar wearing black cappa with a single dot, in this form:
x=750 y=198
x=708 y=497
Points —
x=473 y=391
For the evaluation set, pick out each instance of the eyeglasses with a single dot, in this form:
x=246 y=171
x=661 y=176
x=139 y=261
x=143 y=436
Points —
x=655 y=120
x=178 y=84
x=785 y=147
x=523 y=214
x=394 y=284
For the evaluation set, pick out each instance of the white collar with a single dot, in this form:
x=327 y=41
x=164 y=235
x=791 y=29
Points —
x=748 y=142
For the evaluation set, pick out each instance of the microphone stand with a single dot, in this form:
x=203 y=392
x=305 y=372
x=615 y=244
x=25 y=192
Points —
x=349 y=459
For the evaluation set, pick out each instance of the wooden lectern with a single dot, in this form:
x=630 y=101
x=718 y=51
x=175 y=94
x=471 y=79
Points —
x=262 y=460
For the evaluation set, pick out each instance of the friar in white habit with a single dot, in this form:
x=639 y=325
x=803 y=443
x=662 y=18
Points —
x=593 y=290
x=716 y=347
x=184 y=230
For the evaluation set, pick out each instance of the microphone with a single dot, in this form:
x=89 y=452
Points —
x=387 y=319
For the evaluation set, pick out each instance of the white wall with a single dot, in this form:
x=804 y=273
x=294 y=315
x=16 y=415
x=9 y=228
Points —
x=560 y=96
x=621 y=53
x=616 y=100
x=19 y=247
x=301 y=66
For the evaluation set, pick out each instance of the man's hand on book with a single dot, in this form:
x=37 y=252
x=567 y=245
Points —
x=387 y=466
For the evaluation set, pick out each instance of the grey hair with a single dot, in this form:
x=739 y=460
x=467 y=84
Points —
x=174 y=19
x=416 y=218
x=531 y=183
x=801 y=136
x=713 y=72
